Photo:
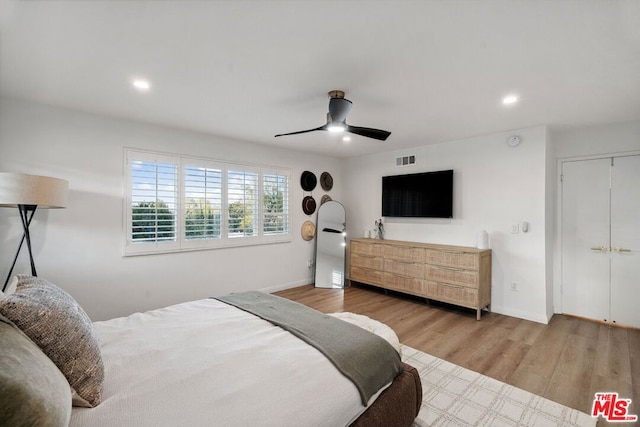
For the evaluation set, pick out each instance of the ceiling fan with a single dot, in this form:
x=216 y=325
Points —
x=339 y=107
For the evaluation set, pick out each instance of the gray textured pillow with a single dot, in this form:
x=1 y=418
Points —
x=33 y=392
x=60 y=327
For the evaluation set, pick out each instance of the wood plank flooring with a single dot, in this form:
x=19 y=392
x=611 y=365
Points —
x=566 y=361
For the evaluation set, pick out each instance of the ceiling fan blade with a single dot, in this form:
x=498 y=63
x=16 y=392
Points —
x=378 y=134
x=323 y=127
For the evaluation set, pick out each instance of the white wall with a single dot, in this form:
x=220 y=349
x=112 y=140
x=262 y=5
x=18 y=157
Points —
x=80 y=247
x=605 y=140
x=594 y=140
x=495 y=186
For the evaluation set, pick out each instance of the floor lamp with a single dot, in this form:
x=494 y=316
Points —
x=27 y=193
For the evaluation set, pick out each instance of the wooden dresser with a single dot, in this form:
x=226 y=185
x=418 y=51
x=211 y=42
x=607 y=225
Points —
x=453 y=274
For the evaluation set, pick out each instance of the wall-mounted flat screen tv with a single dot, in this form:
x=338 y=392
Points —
x=419 y=195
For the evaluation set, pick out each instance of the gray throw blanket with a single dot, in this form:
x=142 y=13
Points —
x=366 y=359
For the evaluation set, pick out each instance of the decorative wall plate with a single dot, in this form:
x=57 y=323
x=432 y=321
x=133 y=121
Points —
x=309 y=205
x=326 y=181
x=308 y=181
x=308 y=230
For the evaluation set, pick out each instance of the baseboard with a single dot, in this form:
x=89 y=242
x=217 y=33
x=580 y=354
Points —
x=283 y=286
x=526 y=315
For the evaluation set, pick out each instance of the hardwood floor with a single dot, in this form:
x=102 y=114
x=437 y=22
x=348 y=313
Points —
x=566 y=361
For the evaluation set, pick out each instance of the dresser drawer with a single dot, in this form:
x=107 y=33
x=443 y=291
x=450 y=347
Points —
x=374 y=263
x=409 y=285
x=364 y=275
x=458 y=295
x=408 y=269
x=454 y=276
x=452 y=258
x=404 y=253
x=371 y=249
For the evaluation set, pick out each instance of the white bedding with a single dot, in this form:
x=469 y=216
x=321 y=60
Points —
x=205 y=363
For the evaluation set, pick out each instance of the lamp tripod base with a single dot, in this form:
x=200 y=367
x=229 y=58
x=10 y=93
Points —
x=26 y=215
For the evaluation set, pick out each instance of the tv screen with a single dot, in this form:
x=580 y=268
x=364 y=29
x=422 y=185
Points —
x=420 y=195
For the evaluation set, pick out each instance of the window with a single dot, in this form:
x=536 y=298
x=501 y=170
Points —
x=152 y=203
x=176 y=203
x=203 y=203
x=242 y=201
x=275 y=204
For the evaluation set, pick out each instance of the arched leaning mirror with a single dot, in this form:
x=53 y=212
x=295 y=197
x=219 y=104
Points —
x=330 y=245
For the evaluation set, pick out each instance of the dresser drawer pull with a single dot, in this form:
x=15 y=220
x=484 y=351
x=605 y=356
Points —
x=450 y=268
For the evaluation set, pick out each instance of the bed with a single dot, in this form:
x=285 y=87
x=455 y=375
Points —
x=201 y=363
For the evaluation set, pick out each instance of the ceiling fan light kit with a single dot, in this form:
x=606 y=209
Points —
x=339 y=108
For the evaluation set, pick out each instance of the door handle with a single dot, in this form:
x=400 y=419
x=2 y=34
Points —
x=600 y=248
x=620 y=250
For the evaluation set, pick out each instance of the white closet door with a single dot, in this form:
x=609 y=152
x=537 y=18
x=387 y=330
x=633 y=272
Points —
x=625 y=241
x=585 y=238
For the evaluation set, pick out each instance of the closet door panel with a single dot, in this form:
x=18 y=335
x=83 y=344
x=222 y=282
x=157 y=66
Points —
x=625 y=241
x=585 y=238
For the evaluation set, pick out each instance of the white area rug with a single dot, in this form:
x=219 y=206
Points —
x=455 y=396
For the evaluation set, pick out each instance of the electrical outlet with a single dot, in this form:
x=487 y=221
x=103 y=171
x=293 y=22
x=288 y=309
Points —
x=514 y=287
x=515 y=228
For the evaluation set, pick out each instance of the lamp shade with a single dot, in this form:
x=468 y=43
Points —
x=42 y=191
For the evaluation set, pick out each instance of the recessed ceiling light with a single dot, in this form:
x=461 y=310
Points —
x=141 y=84
x=510 y=99
x=346 y=138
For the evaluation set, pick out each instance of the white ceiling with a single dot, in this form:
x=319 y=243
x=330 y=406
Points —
x=428 y=71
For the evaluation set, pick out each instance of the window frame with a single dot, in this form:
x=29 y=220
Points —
x=182 y=243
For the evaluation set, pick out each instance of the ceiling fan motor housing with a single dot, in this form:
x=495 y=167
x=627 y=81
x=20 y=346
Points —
x=339 y=109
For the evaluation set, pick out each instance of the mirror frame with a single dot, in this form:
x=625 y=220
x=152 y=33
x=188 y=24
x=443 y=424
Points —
x=319 y=237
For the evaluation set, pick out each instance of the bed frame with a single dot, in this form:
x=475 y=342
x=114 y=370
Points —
x=398 y=405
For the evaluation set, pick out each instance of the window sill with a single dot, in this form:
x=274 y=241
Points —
x=230 y=243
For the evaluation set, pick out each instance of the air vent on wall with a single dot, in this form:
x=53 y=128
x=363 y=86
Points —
x=405 y=160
